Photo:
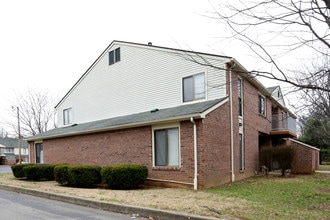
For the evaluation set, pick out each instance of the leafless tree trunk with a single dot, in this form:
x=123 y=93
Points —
x=36 y=112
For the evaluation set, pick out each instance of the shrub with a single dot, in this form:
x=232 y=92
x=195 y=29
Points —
x=284 y=156
x=124 y=176
x=325 y=155
x=39 y=172
x=18 y=170
x=85 y=176
x=61 y=175
x=266 y=156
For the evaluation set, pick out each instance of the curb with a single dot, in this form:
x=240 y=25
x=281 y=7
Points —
x=113 y=207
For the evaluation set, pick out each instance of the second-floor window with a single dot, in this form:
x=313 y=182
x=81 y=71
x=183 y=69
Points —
x=67 y=116
x=114 y=56
x=261 y=105
x=193 y=87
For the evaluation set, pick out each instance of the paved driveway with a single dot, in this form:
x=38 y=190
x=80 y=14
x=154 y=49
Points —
x=5 y=169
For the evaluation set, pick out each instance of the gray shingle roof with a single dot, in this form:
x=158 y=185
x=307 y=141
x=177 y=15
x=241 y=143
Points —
x=12 y=142
x=134 y=120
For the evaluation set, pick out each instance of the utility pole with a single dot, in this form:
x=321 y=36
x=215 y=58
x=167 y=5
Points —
x=19 y=136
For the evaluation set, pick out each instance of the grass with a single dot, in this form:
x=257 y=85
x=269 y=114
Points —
x=293 y=197
x=325 y=167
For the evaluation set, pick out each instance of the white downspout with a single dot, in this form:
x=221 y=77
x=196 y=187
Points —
x=195 y=154
x=231 y=125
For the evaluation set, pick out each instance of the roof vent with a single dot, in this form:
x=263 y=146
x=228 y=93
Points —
x=149 y=43
x=154 y=110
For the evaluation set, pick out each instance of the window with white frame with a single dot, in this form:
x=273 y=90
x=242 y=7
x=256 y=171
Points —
x=261 y=104
x=67 y=116
x=114 y=56
x=193 y=87
x=166 y=147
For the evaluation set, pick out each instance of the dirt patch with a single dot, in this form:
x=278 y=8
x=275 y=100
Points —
x=179 y=200
x=325 y=190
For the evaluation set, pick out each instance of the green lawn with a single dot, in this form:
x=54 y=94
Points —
x=274 y=197
x=325 y=167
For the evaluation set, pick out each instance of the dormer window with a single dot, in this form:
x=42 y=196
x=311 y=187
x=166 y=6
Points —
x=114 y=56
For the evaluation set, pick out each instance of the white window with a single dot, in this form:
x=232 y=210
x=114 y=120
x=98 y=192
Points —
x=67 y=116
x=193 y=87
x=166 y=147
x=261 y=105
x=114 y=56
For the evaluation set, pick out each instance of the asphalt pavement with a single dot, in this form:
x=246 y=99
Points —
x=107 y=206
x=5 y=169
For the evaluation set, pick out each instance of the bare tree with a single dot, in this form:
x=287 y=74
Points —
x=275 y=29
x=35 y=110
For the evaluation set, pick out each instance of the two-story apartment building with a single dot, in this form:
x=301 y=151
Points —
x=196 y=120
x=9 y=151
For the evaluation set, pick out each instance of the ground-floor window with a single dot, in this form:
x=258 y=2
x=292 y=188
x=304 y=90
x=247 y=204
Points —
x=166 y=147
x=39 y=153
x=241 y=152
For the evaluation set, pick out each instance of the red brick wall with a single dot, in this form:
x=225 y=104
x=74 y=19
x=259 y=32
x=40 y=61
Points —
x=121 y=146
x=253 y=125
x=306 y=159
x=214 y=148
x=135 y=145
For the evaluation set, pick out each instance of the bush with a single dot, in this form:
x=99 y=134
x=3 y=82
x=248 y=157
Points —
x=124 y=176
x=61 y=174
x=324 y=155
x=84 y=176
x=39 y=172
x=18 y=170
x=284 y=156
x=266 y=157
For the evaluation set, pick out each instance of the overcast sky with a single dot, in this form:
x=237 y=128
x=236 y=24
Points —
x=48 y=44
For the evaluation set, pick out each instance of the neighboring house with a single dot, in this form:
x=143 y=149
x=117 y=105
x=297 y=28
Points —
x=9 y=151
x=191 y=124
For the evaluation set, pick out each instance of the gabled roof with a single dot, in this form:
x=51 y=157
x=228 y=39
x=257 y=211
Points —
x=271 y=89
x=183 y=112
x=12 y=142
x=168 y=49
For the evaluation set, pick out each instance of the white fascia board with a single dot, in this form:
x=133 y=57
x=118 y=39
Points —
x=203 y=114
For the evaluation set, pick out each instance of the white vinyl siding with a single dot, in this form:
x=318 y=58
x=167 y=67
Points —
x=147 y=78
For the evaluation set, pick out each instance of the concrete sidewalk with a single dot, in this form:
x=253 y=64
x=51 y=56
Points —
x=322 y=171
x=113 y=207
